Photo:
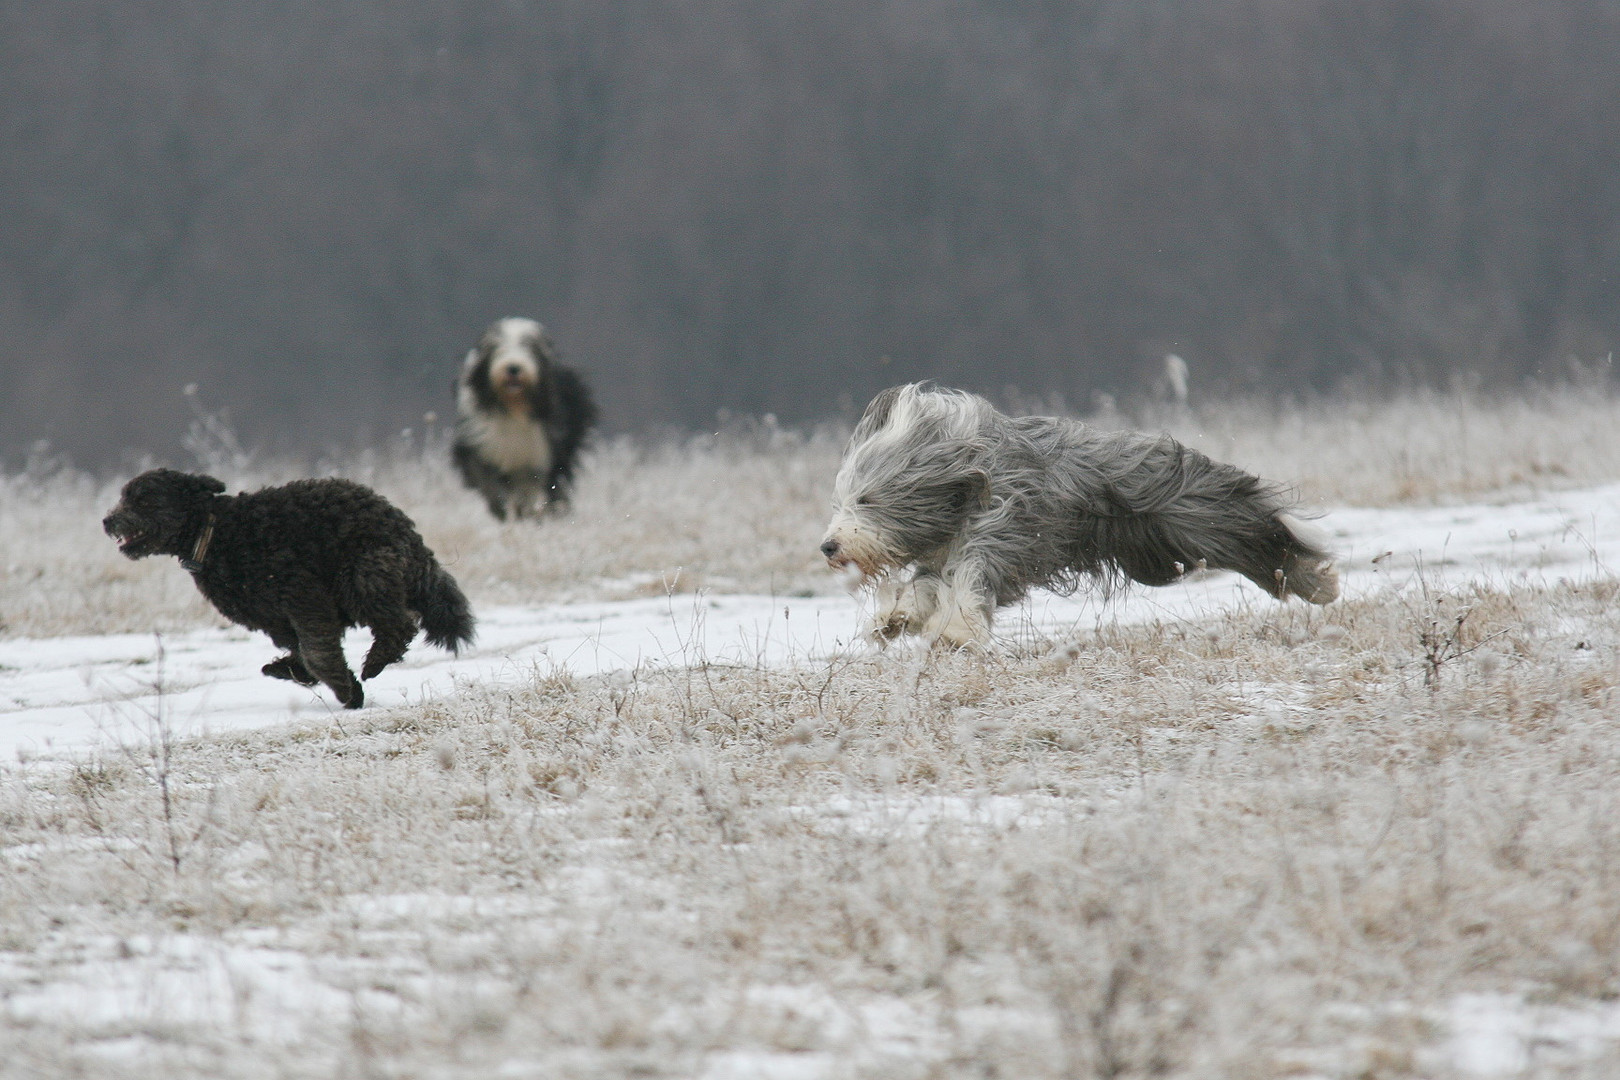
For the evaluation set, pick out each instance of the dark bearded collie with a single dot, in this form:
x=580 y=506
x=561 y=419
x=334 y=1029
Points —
x=521 y=417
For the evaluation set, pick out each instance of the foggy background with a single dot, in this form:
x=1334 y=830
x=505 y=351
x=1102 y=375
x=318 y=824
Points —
x=311 y=209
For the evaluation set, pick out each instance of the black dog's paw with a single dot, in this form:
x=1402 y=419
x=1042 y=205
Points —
x=373 y=668
x=290 y=668
x=356 y=699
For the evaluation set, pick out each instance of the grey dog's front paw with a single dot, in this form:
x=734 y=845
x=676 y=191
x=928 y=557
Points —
x=886 y=629
x=894 y=616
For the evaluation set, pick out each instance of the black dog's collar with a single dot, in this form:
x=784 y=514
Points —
x=199 y=550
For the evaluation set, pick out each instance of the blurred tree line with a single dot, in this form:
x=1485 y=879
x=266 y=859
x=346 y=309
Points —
x=310 y=209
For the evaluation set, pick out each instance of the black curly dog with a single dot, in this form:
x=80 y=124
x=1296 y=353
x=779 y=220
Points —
x=302 y=562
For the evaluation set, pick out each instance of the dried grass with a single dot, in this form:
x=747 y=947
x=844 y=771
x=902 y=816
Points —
x=1259 y=847
x=741 y=510
x=1276 y=843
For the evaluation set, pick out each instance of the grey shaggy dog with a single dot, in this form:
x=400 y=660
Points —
x=521 y=419
x=302 y=562
x=982 y=507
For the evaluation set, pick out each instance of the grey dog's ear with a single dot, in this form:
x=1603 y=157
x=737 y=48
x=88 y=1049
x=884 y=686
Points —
x=976 y=490
x=876 y=413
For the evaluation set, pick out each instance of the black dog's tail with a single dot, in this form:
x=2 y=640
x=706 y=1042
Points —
x=446 y=616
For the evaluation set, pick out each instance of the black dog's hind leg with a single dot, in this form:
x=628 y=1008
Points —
x=391 y=635
x=373 y=593
x=320 y=647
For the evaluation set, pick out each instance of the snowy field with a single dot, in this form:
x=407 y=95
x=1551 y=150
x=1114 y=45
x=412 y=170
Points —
x=71 y=694
x=670 y=817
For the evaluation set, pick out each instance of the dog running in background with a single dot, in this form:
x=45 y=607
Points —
x=302 y=562
x=521 y=417
x=982 y=507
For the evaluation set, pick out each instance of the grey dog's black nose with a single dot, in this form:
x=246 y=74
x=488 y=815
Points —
x=829 y=548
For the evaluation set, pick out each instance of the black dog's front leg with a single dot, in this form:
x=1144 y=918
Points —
x=287 y=667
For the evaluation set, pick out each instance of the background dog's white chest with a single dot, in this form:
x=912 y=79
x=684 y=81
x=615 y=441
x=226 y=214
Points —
x=515 y=443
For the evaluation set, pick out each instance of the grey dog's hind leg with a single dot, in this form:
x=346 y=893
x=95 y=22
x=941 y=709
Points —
x=961 y=604
x=1166 y=509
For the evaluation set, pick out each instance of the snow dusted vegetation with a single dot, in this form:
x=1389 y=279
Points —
x=669 y=817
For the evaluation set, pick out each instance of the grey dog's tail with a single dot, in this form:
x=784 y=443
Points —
x=447 y=618
x=1167 y=510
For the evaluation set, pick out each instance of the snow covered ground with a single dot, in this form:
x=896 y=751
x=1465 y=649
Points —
x=277 y=987
x=71 y=694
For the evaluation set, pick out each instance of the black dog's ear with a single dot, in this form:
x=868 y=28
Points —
x=208 y=483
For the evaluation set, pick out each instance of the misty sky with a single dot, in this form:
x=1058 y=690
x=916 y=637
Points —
x=310 y=210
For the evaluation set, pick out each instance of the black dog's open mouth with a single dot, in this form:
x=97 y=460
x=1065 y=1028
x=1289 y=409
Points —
x=128 y=540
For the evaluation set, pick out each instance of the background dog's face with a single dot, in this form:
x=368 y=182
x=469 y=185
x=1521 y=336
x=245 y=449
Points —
x=159 y=511
x=512 y=358
x=909 y=479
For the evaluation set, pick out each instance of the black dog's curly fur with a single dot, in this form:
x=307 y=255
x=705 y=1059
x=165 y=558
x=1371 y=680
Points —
x=302 y=562
x=521 y=420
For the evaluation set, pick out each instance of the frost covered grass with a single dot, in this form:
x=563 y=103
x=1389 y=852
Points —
x=741 y=510
x=1420 y=447
x=1372 y=841
x=1275 y=843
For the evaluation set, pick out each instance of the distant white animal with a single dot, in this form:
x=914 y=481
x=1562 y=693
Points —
x=1172 y=383
x=952 y=510
x=521 y=418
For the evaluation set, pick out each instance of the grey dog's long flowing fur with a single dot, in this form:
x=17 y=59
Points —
x=986 y=506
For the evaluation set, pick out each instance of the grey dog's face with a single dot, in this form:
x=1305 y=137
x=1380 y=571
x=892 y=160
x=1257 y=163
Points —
x=158 y=512
x=884 y=527
x=907 y=483
x=856 y=545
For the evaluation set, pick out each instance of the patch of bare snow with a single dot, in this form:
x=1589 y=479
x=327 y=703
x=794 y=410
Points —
x=1503 y=1035
x=148 y=986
